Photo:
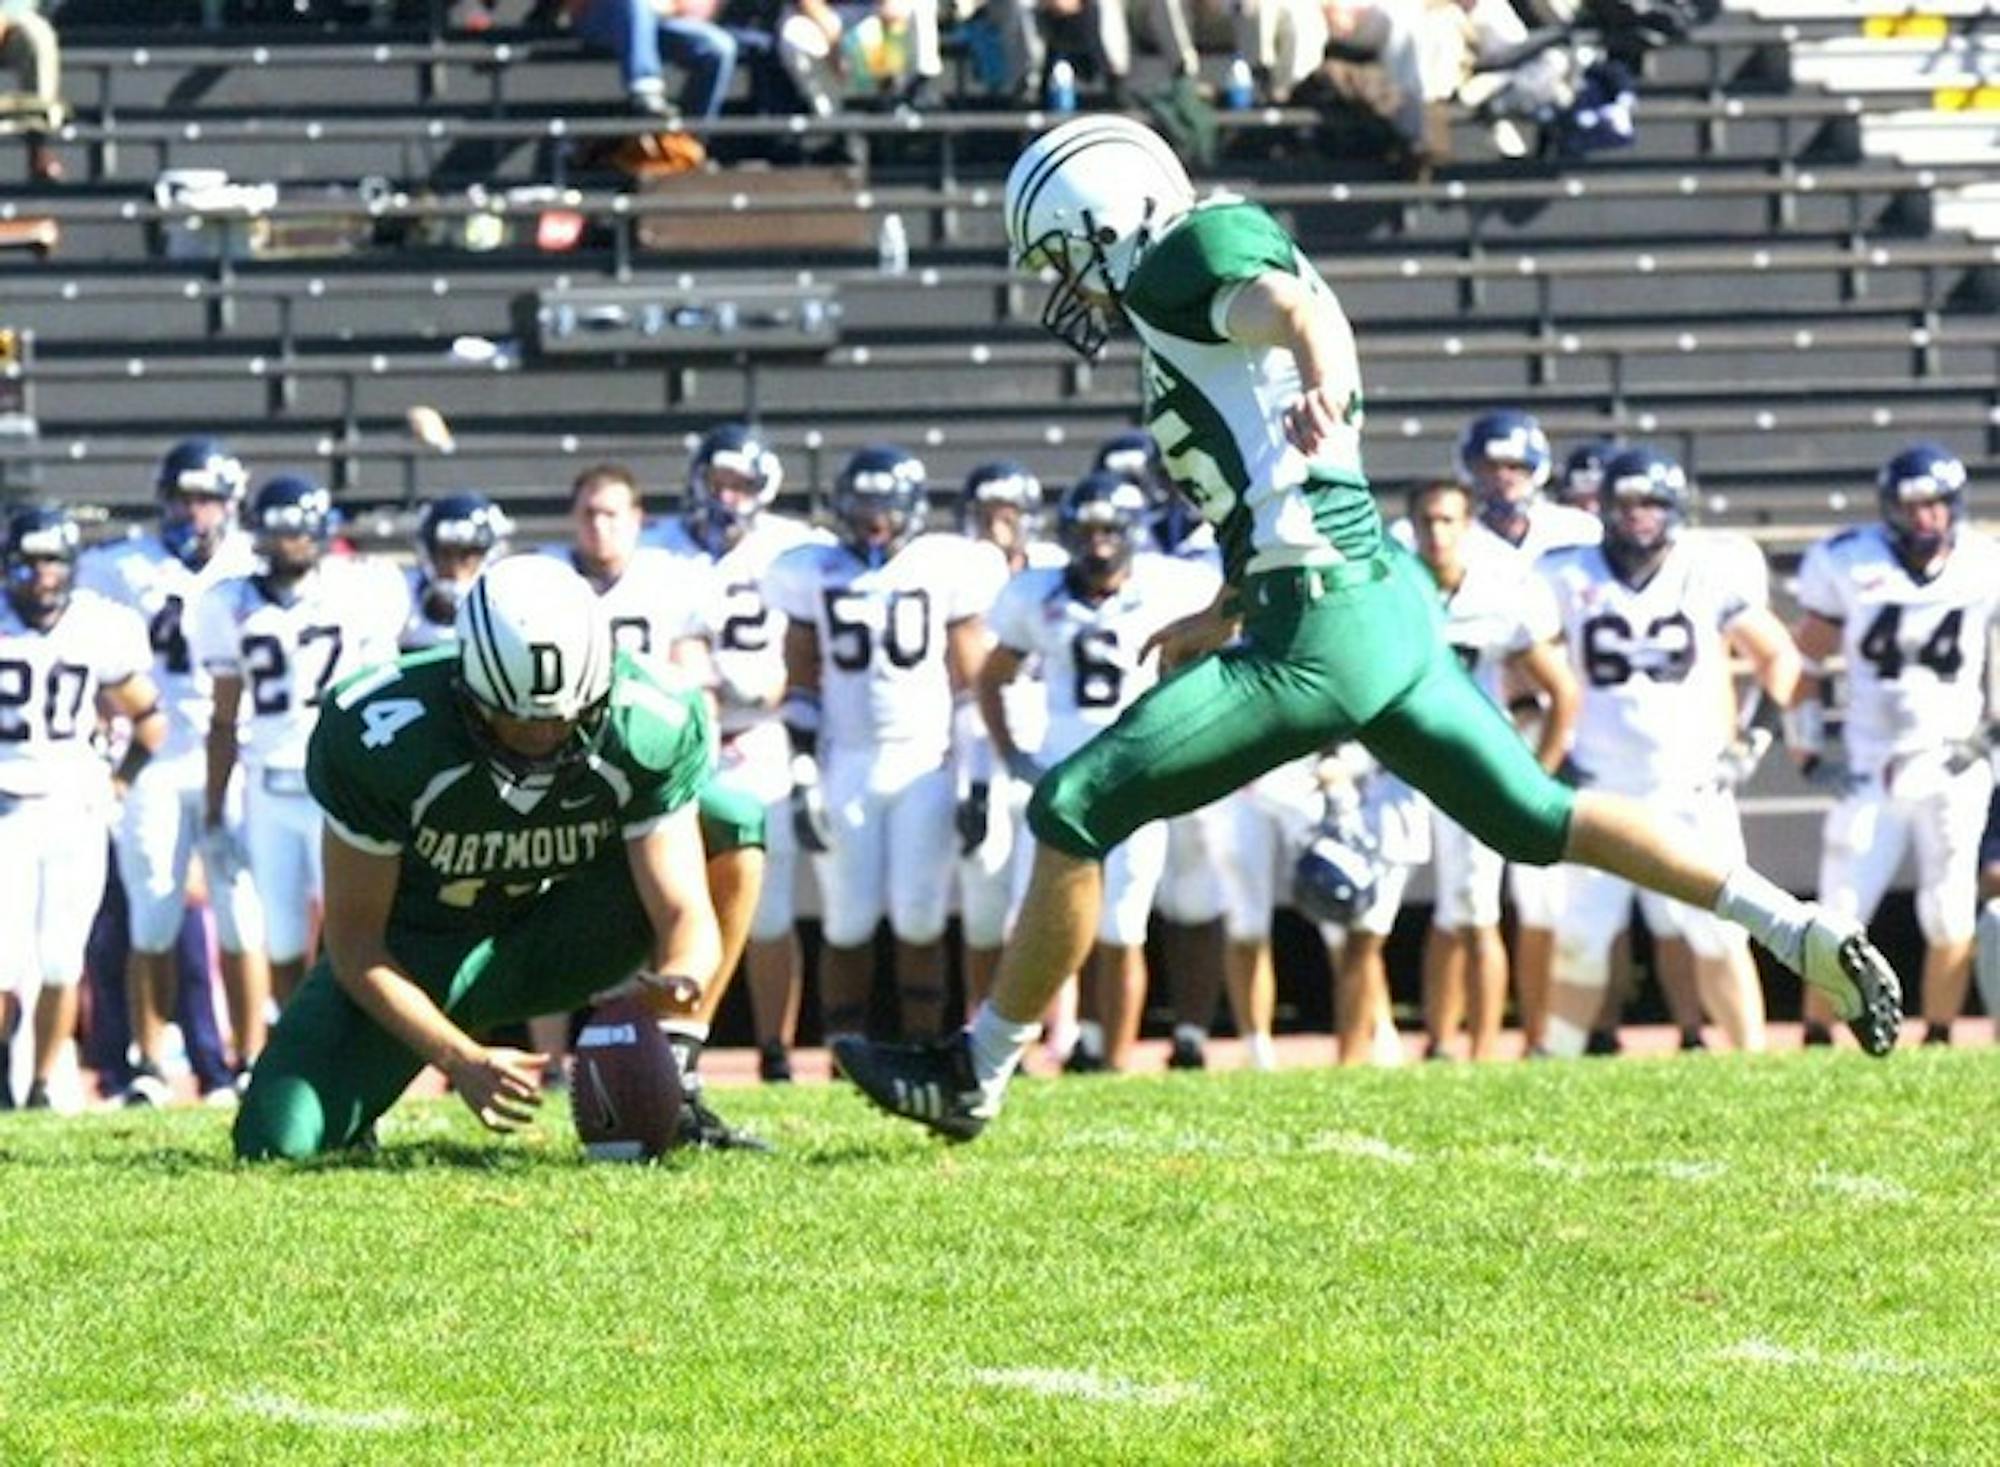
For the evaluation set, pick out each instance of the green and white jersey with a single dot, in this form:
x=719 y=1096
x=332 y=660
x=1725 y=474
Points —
x=395 y=768
x=1215 y=406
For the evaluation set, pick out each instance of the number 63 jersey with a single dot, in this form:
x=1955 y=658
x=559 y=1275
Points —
x=1915 y=649
x=342 y=616
x=1658 y=707
x=882 y=633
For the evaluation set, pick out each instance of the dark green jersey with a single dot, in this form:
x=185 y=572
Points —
x=395 y=768
x=1215 y=406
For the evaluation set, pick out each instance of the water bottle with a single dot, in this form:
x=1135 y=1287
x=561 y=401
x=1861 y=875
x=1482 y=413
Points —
x=1239 y=87
x=892 y=246
x=1062 y=86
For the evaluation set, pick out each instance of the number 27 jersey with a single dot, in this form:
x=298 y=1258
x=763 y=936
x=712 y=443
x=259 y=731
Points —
x=1915 y=649
x=882 y=634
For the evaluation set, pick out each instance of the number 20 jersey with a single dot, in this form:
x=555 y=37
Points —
x=1657 y=702
x=344 y=616
x=49 y=681
x=882 y=633
x=1915 y=649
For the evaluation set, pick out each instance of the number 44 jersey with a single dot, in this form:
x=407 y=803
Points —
x=1658 y=708
x=290 y=650
x=1915 y=648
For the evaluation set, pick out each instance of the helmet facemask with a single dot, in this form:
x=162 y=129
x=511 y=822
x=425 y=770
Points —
x=1085 y=301
x=586 y=736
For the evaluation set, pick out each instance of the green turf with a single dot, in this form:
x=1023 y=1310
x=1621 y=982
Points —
x=1712 y=1259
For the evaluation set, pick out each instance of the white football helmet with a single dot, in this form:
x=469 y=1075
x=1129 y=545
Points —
x=533 y=641
x=1087 y=200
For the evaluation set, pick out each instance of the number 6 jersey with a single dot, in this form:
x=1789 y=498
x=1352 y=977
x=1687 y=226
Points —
x=342 y=616
x=1915 y=649
x=1658 y=708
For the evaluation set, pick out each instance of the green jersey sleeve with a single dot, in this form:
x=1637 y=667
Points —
x=375 y=745
x=662 y=739
x=1175 y=286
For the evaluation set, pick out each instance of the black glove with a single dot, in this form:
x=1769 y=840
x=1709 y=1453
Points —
x=974 y=819
x=810 y=822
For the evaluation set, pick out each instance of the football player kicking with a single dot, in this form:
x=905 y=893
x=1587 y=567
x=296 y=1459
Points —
x=729 y=535
x=1252 y=388
x=1908 y=604
x=63 y=654
x=1086 y=623
x=882 y=629
x=510 y=828
x=162 y=575
x=1650 y=618
x=275 y=641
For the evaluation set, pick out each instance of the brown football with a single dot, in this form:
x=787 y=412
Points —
x=625 y=1090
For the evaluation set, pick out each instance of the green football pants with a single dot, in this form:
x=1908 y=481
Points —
x=330 y=1070
x=1352 y=651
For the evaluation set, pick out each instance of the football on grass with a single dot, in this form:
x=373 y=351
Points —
x=625 y=1090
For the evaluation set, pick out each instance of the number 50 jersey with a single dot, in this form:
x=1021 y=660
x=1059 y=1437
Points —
x=882 y=634
x=1915 y=649
x=1658 y=709
x=344 y=615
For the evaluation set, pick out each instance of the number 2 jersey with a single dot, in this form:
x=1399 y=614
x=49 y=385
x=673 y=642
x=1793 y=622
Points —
x=394 y=767
x=1915 y=648
x=289 y=651
x=884 y=677
x=49 y=681
x=1658 y=705
x=1089 y=650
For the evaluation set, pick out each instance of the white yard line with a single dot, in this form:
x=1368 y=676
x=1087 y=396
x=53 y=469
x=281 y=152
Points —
x=1867 y=1189
x=1764 y=1352
x=1084 y=1385
x=270 y=1406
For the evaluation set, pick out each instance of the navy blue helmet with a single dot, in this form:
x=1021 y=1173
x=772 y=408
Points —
x=1642 y=475
x=284 y=509
x=881 y=484
x=733 y=455
x=196 y=468
x=1923 y=473
x=1336 y=876
x=1135 y=453
x=37 y=534
x=1100 y=500
x=1580 y=484
x=1504 y=436
x=465 y=521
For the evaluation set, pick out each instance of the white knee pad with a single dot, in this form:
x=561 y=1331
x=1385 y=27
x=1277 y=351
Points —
x=1598 y=909
x=1537 y=893
x=1189 y=892
x=1468 y=878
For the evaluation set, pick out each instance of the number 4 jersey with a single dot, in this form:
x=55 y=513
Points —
x=395 y=769
x=882 y=633
x=1915 y=649
x=49 y=681
x=289 y=652
x=1658 y=708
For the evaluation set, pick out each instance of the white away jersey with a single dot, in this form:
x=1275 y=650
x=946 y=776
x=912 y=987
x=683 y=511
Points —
x=49 y=682
x=657 y=602
x=1089 y=651
x=746 y=634
x=882 y=633
x=1915 y=650
x=1652 y=662
x=150 y=580
x=1551 y=526
x=346 y=615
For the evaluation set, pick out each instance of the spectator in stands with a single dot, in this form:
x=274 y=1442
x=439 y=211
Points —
x=886 y=50
x=644 y=34
x=1092 y=31
x=28 y=49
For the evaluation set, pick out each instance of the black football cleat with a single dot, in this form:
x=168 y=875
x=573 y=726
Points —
x=1082 y=1062
x=704 y=1130
x=1843 y=964
x=1186 y=1054
x=774 y=1062
x=931 y=1084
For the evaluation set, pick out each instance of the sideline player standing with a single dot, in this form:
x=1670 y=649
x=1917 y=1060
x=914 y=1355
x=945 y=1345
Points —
x=63 y=652
x=200 y=486
x=1908 y=604
x=1322 y=630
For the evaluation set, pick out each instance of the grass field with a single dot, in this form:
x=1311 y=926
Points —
x=1779 y=1260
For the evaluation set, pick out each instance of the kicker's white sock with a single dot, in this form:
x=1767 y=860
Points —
x=997 y=1045
x=1773 y=916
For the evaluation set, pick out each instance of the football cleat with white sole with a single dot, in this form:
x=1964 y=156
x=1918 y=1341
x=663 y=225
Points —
x=931 y=1084
x=1857 y=980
